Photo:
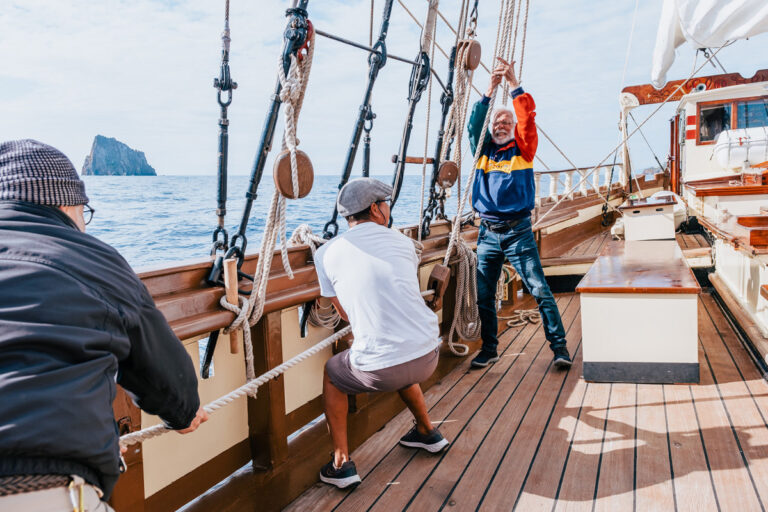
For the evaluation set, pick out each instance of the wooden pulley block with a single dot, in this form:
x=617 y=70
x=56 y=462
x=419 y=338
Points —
x=474 y=53
x=447 y=174
x=438 y=281
x=282 y=174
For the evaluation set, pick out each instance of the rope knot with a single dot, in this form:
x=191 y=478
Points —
x=240 y=311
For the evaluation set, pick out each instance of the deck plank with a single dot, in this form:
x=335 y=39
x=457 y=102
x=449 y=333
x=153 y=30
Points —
x=616 y=483
x=545 y=470
x=746 y=421
x=490 y=430
x=439 y=398
x=653 y=480
x=437 y=485
x=390 y=476
x=727 y=468
x=527 y=438
x=509 y=479
x=692 y=484
x=579 y=477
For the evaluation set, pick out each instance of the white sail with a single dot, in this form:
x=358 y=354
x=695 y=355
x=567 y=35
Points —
x=704 y=24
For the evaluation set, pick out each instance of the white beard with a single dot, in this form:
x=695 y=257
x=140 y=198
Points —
x=501 y=141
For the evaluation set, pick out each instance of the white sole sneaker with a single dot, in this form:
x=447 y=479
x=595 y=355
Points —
x=431 y=448
x=483 y=365
x=341 y=483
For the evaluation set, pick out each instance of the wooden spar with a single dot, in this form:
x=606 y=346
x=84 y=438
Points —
x=230 y=282
x=647 y=94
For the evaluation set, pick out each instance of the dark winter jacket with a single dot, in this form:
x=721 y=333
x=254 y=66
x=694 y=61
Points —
x=504 y=188
x=74 y=320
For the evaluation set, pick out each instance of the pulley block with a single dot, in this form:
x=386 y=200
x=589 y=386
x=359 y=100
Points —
x=474 y=53
x=282 y=174
x=438 y=281
x=447 y=174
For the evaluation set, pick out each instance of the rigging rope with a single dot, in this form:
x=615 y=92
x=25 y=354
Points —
x=466 y=317
x=293 y=87
x=426 y=134
x=248 y=388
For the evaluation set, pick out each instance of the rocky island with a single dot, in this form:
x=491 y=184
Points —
x=110 y=157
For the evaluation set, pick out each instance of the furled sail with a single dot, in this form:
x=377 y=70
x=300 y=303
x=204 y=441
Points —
x=704 y=24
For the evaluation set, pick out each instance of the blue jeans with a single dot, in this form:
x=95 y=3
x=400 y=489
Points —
x=519 y=247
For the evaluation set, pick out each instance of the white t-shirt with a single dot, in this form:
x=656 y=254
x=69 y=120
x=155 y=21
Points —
x=372 y=270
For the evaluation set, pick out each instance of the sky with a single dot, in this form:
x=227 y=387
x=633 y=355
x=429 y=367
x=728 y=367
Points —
x=142 y=71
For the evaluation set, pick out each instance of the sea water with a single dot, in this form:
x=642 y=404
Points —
x=165 y=221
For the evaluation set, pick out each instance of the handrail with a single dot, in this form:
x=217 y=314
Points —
x=617 y=164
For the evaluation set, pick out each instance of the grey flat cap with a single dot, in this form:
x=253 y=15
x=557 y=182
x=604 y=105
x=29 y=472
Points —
x=359 y=194
x=38 y=173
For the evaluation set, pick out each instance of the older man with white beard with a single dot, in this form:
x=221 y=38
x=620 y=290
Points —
x=504 y=194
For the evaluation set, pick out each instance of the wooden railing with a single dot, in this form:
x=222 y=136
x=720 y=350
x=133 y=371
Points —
x=279 y=443
x=562 y=181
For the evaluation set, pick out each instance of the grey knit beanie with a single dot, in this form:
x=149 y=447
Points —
x=35 y=172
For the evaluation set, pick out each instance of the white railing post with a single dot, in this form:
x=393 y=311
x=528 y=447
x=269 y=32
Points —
x=583 y=183
x=596 y=180
x=537 y=181
x=553 y=179
x=569 y=184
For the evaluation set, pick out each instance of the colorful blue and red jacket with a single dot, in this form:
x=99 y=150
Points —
x=504 y=188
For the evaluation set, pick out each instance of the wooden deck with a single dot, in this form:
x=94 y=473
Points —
x=527 y=437
x=592 y=246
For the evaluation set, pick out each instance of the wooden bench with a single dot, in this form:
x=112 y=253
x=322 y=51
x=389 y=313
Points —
x=639 y=315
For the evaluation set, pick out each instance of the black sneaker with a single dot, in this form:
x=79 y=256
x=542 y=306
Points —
x=483 y=359
x=432 y=442
x=562 y=358
x=343 y=477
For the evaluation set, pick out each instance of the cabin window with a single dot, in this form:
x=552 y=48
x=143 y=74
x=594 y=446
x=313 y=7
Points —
x=713 y=119
x=752 y=113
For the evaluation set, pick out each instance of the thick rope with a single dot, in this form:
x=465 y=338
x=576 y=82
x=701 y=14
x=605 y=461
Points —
x=432 y=9
x=522 y=317
x=319 y=315
x=324 y=315
x=293 y=88
x=248 y=388
x=466 y=318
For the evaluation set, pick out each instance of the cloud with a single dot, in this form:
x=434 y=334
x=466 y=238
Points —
x=142 y=71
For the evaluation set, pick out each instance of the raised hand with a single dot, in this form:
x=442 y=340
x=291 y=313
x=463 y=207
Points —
x=509 y=72
x=496 y=76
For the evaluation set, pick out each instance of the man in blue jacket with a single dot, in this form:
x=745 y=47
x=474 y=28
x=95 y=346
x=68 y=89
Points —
x=504 y=193
x=75 y=320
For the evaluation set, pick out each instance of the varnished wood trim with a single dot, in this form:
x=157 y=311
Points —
x=764 y=291
x=200 y=479
x=739 y=190
x=620 y=268
x=647 y=94
x=128 y=495
x=266 y=413
x=300 y=416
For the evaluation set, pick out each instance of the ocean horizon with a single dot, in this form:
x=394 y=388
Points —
x=168 y=220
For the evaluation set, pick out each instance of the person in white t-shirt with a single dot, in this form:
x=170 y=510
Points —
x=370 y=275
